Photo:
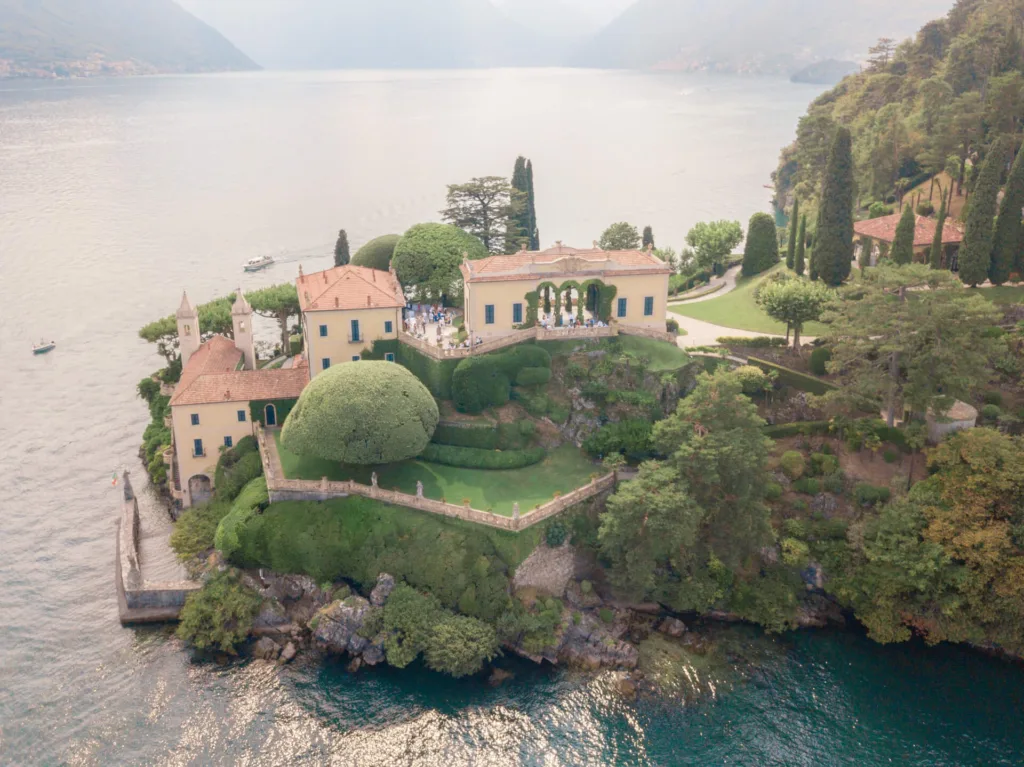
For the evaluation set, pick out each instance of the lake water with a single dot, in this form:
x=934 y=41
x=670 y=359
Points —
x=116 y=195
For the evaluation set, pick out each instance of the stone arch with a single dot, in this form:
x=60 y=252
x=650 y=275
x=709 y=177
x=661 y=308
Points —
x=599 y=298
x=550 y=296
x=567 y=287
x=200 y=489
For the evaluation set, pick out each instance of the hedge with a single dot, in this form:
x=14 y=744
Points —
x=797 y=380
x=754 y=342
x=436 y=375
x=807 y=428
x=380 y=349
x=819 y=360
x=507 y=436
x=474 y=458
x=236 y=468
x=479 y=383
x=533 y=377
x=258 y=409
x=520 y=358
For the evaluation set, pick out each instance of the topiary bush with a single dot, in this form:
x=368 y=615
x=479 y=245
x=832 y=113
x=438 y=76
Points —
x=479 y=383
x=363 y=414
x=792 y=464
x=820 y=358
x=533 y=377
x=521 y=357
x=377 y=253
x=761 y=251
x=474 y=458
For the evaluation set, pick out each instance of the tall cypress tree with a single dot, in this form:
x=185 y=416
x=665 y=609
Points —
x=648 y=238
x=976 y=253
x=519 y=228
x=867 y=246
x=903 y=243
x=794 y=224
x=935 y=258
x=341 y=253
x=801 y=246
x=531 y=198
x=1006 y=243
x=832 y=259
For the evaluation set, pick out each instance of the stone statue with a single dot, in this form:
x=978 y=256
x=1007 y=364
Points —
x=373 y=479
x=419 y=489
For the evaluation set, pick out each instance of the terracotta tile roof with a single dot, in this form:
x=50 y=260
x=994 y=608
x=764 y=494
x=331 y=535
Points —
x=349 y=287
x=218 y=355
x=244 y=386
x=528 y=265
x=884 y=229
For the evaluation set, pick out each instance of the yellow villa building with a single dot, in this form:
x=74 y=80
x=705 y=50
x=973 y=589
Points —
x=219 y=398
x=504 y=293
x=345 y=310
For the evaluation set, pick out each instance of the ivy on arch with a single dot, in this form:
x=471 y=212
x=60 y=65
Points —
x=605 y=296
x=567 y=287
x=551 y=289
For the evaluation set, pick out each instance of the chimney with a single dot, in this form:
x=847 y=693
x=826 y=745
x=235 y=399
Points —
x=301 y=275
x=336 y=302
x=325 y=277
x=227 y=394
x=368 y=301
x=306 y=294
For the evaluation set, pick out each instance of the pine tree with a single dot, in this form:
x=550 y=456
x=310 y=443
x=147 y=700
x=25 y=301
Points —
x=341 y=254
x=762 y=248
x=935 y=258
x=903 y=244
x=976 y=253
x=531 y=203
x=1006 y=244
x=794 y=224
x=801 y=246
x=648 y=239
x=832 y=259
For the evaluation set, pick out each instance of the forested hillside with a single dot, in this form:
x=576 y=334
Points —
x=934 y=103
x=78 y=37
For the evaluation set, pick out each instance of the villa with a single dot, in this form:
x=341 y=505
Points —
x=882 y=231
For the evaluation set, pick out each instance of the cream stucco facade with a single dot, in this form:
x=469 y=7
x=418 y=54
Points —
x=329 y=338
x=209 y=427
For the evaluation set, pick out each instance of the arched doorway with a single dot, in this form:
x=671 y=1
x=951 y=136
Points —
x=200 y=489
x=271 y=415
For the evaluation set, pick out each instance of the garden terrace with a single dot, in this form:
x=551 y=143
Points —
x=565 y=478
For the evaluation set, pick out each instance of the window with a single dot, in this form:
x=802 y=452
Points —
x=197 y=448
x=389 y=326
x=357 y=358
x=517 y=314
x=355 y=331
x=489 y=314
x=649 y=306
x=622 y=308
x=389 y=357
x=326 y=362
x=323 y=331
x=195 y=419
x=241 y=416
x=228 y=442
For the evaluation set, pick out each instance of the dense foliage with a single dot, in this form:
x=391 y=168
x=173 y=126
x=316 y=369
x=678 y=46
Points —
x=632 y=439
x=487 y=208
x=479 y=383
x=220 y=615
x=1006 y=246
x=279 y=302
x=427 y=261
x=341 y=250
x=833 y=236
x=377 y=253
x=236 y=468
x=976 y=253
x=713 y=242
x=214 y=317
x=761 y=251
x=366 y=413
x=476 y=458
x=522 y=225
x=620 y=236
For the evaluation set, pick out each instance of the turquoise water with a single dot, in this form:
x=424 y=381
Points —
x=116 y=195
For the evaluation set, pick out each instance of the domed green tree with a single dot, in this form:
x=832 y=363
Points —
x=428 y=257
x=377 y=254
x=362 y=413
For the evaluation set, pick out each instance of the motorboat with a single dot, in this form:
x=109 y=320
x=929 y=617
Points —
x=255 y=264
x=44 y=346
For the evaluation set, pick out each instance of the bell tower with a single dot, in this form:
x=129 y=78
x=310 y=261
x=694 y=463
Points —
x=241 y=322
x=188 y=329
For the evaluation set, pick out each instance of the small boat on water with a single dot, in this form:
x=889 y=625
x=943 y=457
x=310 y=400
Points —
x=43 y=347
x=255 y=264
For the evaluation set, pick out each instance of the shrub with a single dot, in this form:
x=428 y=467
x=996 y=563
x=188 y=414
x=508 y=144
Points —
x=533 y=377
x=558 y=414
x=799 y=506
x=823 y=464
x=869 y=495
x=782 y=431
x=672 y=326
x=879 y=209
x=795 y=553
x=773 y=491
x=925 y=209
x=148 y=389
x=586 y=587
x=792 y=464
x=820 y=358
x=993 y=398
x=606 y=615
x=480 y=437
x=755 y=342
x=474 y=458
x=991 y=413
x=436 y=375
x=196 y=529
x=236 y=468
x=365 y=414
x=631 y=439
x=377 y=253
x=556 y=534
x=890 y=456
x=520 y=357
x=219 y=615
x=460 y=646
x=249 y=501
x=479 y=383
x=834 y=482
x=795 y=528
x=807 y=485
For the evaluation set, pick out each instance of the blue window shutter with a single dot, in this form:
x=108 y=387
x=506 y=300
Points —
x=241 y=416
x=195 y=419
x=489 y=314
x=355 y=330
x=323 y=331
x=326 y=362
x=389 y=357
x=389 y=326
x=517 y=314
x=228 y=442
x=622 y=307
x=357 y=358
x=197 y=447
x=649 y=306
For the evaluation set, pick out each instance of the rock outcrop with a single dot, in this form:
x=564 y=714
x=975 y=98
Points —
x=341 y=626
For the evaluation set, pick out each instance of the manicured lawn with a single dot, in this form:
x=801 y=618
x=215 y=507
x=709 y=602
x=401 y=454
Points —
x=564 y=470
x=664 y=357
x=739 y=310
x=1004 y=295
